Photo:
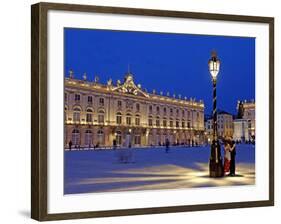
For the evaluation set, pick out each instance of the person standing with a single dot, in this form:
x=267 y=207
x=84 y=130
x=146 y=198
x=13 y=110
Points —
x=167 y=143
x=232 y=157
x=227 y=157
x=70 y=145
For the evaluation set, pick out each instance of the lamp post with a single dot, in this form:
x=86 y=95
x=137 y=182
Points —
x=215 y=165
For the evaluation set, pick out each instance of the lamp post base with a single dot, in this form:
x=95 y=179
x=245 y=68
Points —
x=216 y=169
x=215 y=165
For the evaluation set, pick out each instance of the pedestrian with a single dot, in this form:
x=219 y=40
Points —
x=70 y=145
x=232 y=157
x=167 y=143
x=227 y=157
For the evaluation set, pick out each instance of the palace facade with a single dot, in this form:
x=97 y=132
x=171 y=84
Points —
x=96 y=114
x=245 y=124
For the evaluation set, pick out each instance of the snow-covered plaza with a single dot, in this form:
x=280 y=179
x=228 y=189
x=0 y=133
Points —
x=110 y=170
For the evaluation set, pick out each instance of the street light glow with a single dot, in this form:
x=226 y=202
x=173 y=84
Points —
x=214 y=65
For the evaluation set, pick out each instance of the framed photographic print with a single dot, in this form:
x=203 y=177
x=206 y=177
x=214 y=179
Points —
x=140 y=111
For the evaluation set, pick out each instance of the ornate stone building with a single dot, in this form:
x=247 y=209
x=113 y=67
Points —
x=96 y=114
x=225 y=126
x=245 y=124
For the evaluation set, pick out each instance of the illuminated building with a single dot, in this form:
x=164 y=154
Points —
x=96 y=114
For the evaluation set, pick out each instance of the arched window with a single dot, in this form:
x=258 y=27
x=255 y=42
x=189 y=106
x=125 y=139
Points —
x=137 y=120
x=88 y=138
x=76 y=114
x=100 y=137
x=165 y=110
x=128 y=119
x=75 y=138
x=101 y=117
x=89 y=115
x=118 y=118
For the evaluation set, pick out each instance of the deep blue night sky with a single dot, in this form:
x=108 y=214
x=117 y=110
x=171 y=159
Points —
x=177 y=63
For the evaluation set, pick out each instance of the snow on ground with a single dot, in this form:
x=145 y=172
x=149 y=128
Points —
x=150 y=168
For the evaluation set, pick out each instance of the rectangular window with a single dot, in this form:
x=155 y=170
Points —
x=101 y=118
x=119 y=103
x=171 y=124
x=137 y=107
x=137 y=121
x=157 y=123
x=76 y=116
x=150 y=109
x=89 y=117
x=128 y=120
x=119 y=119
x=164 y=123
x=101 y=101
x=90 y=99
x=77 y=97
x=150 y=122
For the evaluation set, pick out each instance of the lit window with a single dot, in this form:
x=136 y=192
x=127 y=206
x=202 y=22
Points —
x=137 y=120
x=101 y=116
x=165 y=123
x=171 y=123
x=89 y=115
x=157 y=121
x=128 y=119
x=119 y=118
x=76 y=115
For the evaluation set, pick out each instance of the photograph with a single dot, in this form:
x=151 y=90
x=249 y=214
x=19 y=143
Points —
x=152 y=111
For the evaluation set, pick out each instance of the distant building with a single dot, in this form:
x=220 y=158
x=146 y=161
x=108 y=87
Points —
x=225 y=125
x=98 y=114
x=241 y=130
x=244 y=124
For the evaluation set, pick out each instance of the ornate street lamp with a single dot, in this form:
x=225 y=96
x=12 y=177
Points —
x=215 y=165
